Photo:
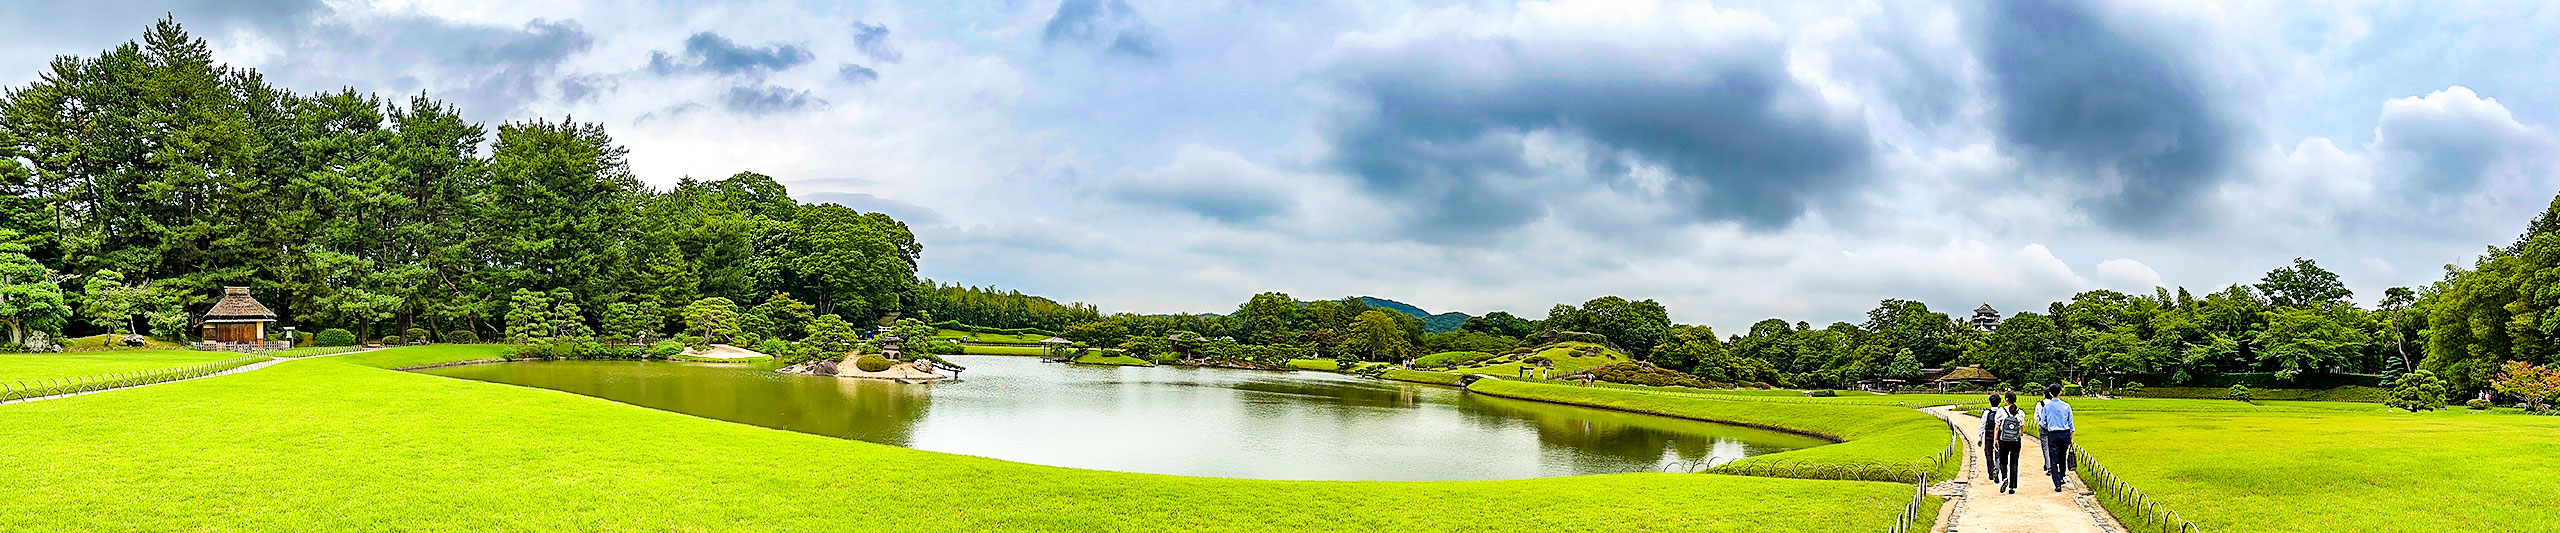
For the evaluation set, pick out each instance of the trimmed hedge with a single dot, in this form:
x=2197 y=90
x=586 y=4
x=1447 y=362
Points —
x=461 y=336
x=2263 y=380
x=872 y=363
x=2339 y=394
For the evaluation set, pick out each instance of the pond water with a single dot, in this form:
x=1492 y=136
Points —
x=1169 y=420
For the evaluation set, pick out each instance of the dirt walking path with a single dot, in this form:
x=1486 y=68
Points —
x=2035 y=508
x=242 y=368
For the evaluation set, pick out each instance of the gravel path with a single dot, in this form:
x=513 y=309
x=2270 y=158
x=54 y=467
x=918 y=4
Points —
x=2035 y=508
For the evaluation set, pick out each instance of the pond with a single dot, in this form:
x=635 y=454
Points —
x=1170 y=420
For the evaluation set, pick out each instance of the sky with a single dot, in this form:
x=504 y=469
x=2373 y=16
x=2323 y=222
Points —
x=1733 y=160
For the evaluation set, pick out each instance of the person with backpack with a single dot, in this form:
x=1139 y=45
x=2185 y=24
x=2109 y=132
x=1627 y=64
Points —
x=2012 y=423
x=2054 y=417
x=1990 y=445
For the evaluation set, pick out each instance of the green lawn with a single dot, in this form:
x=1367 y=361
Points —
x=987 y=337
x=1421 y=376
x=332 y=445
x=1894 y=437
x=98 y=342
x=30 y=366
x=1107 y=358
x=1325 y=365
x=2304 y=466
x=1004 y=350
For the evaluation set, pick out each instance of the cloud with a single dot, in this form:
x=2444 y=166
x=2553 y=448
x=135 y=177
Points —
x=1689 y=108
x=2105 y=108
x=2453 y=142
x=759 y=100
x=1211 y=183
x=857 y=74
x=489 y=71
x=911 y=214
x=873 y=40
x=708 y=52
x=2127 y=275
x=1109 y=24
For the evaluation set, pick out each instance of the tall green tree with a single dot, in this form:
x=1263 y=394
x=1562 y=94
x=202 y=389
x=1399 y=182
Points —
x=30 y=301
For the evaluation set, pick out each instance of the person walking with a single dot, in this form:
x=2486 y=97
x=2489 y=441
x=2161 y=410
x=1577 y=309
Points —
x=2054 y=416
x=2011 y=424
x=1991 y=444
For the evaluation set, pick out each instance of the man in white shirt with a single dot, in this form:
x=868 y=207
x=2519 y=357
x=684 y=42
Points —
x=2054 y=417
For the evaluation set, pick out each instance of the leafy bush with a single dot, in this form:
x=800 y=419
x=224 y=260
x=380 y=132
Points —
x=418 y=334
x=1451 y=359
x=955 y=324
x=2070 y=389
x=872 y=363
x=773 y=347
x=938 y=348
x=665 y=349
x=1823 y=393
x=393 y=340
x=461 y=336
x=2242 y=393
x=2133 y=387
x=334 y=337
x=303 y=338
x=1536 y=360
x=2478 y=404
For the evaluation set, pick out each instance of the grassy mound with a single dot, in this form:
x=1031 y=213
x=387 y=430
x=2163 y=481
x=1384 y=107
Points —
x=1327 y=365
x=1871 y=435
x=329 y=445
x=1568 y=357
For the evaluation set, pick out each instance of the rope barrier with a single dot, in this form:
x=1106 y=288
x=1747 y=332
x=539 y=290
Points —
x=25 y=389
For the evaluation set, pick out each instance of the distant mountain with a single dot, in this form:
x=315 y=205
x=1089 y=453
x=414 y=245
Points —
x=1440 y=323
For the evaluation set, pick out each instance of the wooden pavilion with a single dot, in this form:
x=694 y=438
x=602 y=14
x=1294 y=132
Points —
x=237 y=318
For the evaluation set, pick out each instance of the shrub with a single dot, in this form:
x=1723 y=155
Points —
x=334 y=337
x=2241 y=392
x=2417 y=391
x=418 y=334
x=1824 y=393
x=1642 y=373
x=1451 y=359
x=2478 y=404
x=872 y=363
x=773 y=347
x=393 y=340
x=1536 y=360
x=939 y=347
x=2133 y=387
x=304 y=338
x=665 y=349
x=2070 y=389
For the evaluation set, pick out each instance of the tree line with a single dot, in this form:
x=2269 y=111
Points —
x=144 y=179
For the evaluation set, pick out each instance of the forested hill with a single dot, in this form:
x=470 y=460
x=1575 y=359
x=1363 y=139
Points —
x=1431 y=323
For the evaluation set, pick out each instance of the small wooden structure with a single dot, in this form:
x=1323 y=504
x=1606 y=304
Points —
x=237 y=318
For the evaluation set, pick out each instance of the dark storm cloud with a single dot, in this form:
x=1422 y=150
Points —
x=767 y=100
x=1741 y=140
x=1109 y=24
x=711 y=53
x=857 y=74
x=2088 y=102
x=873 y=40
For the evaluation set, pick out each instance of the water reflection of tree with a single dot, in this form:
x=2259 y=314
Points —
x=1602 y=441
x=862 y=409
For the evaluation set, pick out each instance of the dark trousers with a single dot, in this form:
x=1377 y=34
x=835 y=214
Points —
x=2057 y=455
x=1991 y=456
x=2008 y=461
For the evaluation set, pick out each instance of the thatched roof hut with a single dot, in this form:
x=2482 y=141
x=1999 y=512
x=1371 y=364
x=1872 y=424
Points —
x=1969 y=374
x=237 y=317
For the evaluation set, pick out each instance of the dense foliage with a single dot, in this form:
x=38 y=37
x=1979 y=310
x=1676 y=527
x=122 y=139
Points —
x=148 y=177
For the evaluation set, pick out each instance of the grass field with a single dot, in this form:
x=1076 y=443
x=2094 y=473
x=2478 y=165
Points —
x=330 y=445
x=1324 y=365
x=98 y=342
x=2311 y=466
x=1107 y=358
x=28 y=366
x=1883 y=435
x=986 y=337
x=1421 y=376
x=1004 y=350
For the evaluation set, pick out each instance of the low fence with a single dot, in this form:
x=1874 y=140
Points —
x=1911 y=511
x=21 y=390
x=2136 y=510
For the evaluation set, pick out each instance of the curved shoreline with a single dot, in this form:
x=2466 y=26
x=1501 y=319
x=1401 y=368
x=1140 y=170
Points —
x=1833 y=439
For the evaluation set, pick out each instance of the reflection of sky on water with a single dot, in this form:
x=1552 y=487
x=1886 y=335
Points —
x=1172 y=420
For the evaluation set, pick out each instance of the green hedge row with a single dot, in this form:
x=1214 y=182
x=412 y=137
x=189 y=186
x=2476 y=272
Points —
x=2262 y=380
x=956 y=325
x=2337 y=394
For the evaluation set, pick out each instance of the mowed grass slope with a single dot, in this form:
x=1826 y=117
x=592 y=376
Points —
x=33 y=366
x=1887 y=435
x=2259 y=470
x=331 y=445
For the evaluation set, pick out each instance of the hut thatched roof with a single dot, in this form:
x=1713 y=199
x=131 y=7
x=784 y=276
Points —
x=237 y=306
x=1969 y=373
